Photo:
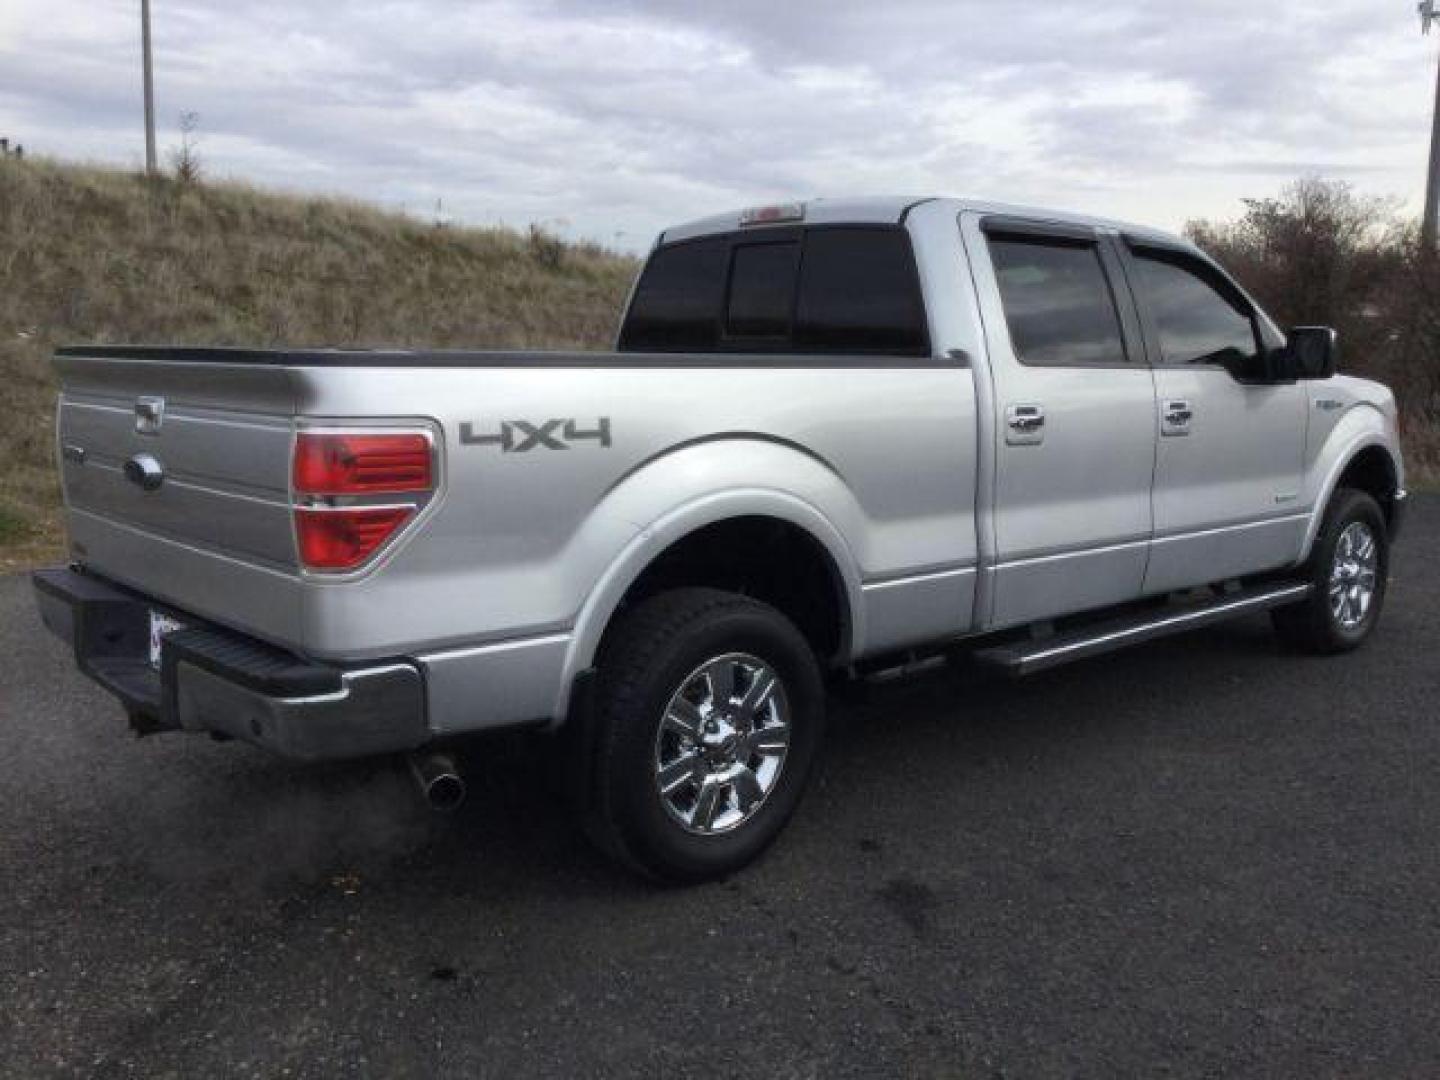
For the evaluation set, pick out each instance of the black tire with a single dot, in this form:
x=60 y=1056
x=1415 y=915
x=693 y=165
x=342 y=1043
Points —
x=652 y=652
x=1313 y=625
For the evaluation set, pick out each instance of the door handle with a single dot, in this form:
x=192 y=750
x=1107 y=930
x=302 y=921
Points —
x=1178 y=412
x=1026 y=423
x=1026 y=418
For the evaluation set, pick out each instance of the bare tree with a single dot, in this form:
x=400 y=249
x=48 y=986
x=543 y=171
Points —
x=185 y=159
x=1319 y=253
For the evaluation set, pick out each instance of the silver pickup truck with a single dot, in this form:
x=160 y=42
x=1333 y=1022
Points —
x=834 y=438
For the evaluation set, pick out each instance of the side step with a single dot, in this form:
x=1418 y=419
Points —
x=1028 y=657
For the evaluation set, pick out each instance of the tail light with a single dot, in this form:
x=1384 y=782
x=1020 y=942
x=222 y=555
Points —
x=355 y=491
x=345 y=537
x=345 y=463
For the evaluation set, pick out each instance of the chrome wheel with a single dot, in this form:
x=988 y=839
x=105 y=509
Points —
x=1353 y=575
x=722 y=743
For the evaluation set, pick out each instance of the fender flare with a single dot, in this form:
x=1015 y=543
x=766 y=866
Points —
x=651 y=541
x=1350 y=450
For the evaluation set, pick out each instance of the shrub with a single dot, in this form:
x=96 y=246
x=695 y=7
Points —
x=1320 y=254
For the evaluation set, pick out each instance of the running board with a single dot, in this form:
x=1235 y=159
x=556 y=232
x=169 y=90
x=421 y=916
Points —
x=1028 y=657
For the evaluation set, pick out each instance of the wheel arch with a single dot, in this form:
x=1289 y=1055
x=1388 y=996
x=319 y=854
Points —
x=804 y=516
x=1362 y=457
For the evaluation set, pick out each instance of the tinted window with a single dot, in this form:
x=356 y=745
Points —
x=762 y=290
x=851 y=290
x=1058 y=302
x=859 y=293
x=677 y=303
x=1197 y=323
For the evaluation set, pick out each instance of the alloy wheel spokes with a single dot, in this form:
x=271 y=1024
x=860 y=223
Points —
x=722 y=743
x=747 y=788
x=707 y=805
x=684 y=718
x=720 y=678
x=1354 y=575
x=684 y=769
x=774 y=739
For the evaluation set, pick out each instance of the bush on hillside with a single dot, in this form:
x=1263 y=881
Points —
x=1320 y=254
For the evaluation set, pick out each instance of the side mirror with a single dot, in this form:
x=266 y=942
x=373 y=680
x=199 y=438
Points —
x=1310 y=353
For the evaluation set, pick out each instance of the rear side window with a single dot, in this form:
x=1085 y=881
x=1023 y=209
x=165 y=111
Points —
x=677 y=302
x=1196 y=322
x=1058 y=303
x=859 y=293
x=825 y=289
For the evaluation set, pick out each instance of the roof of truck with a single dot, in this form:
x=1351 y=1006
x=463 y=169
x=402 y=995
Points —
x=890 y=209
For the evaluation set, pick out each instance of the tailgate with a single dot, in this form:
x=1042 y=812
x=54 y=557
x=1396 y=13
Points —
x=176 y=476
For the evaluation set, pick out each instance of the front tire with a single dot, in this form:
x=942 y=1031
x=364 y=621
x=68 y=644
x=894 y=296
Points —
x=709 y=711
x=1349 y=569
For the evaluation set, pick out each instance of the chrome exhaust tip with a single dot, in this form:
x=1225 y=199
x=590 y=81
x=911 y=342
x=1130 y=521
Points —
x=441 y=784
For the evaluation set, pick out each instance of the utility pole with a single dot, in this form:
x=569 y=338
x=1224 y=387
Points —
x=150 y=87
x=1429 y=15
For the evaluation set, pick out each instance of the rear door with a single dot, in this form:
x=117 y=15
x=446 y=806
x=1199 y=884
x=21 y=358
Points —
x=1075 y=430
x=1230 y=458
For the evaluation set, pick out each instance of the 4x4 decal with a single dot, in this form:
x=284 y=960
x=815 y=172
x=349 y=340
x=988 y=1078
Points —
x=518 y=436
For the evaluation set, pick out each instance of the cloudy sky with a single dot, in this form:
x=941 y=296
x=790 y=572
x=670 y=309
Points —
x=611 y=118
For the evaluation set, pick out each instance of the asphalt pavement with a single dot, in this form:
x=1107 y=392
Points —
x=1205 y=856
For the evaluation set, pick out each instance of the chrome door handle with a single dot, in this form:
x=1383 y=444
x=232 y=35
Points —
x=1175 y=417
x=1026 y=417
x=1026 y=423
x=1178 y=412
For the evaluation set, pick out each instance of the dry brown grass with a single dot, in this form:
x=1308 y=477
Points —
x=98 y=255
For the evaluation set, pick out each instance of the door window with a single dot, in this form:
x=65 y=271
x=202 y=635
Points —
x=1197 y=322
x=1058 y=303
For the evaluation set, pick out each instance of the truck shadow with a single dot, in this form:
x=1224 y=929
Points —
x=897 y=754
x=938 y=730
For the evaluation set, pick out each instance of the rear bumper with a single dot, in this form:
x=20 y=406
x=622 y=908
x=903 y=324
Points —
x=217 y=681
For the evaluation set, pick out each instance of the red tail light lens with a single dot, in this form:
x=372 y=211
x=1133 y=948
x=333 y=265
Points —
x=360 y=464
x=342 y=539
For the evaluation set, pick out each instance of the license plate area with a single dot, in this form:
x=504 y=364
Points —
x=161 y=626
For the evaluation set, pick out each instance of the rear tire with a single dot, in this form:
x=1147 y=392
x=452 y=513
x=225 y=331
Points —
x=708 y=714
x=1349 y=568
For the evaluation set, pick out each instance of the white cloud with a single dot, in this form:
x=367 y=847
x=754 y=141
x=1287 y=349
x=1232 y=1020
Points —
x=622 y=116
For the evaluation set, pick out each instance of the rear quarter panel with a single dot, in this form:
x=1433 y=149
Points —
x=878 y=460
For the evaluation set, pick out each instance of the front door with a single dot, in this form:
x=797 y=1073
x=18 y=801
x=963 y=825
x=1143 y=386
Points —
x=1230 y=459
x=1074 y=440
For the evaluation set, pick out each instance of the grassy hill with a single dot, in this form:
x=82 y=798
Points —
x=94 y=255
